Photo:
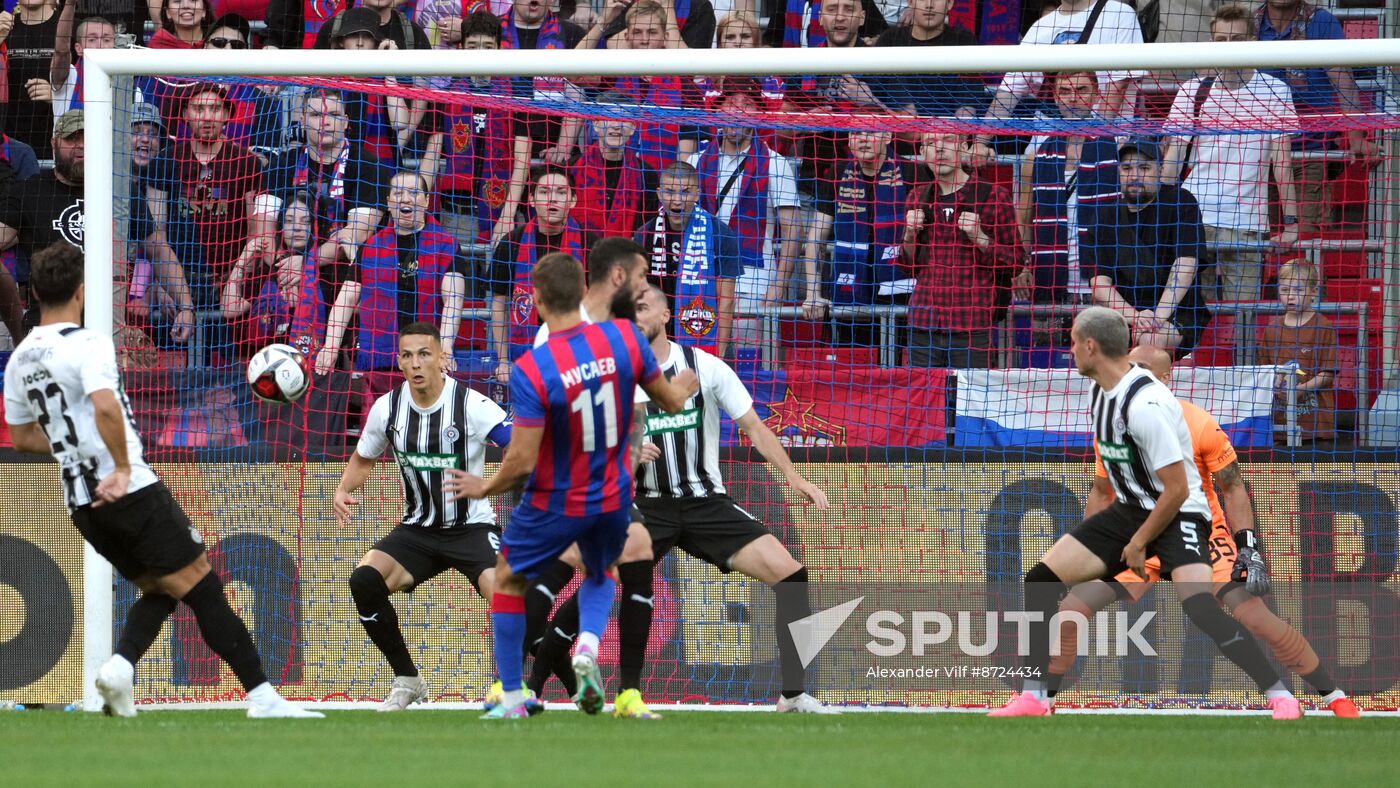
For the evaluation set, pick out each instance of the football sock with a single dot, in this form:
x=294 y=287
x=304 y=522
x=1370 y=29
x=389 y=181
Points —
x=587 y=644
x=539 y=600
x=1334 y=695
x=595 y=598
x=553 y=653
x=508 y=629
x=143 y=623
x=1288 y=644
x=792 y=605
x=1069 y=636
x=224 y=631
x=633 y=622
x=1044 y=590
x=1233 y=640
x=380 y=620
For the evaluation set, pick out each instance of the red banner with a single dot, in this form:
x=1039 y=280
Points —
x=860 y=406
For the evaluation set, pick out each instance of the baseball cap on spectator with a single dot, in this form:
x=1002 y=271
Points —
x=230 y=22
x=357 y=20
x=1146 y=147
x=68 y=124
x=143 y=112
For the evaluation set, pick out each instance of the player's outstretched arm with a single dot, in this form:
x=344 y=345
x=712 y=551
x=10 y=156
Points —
x=767 y=444
x=357 y=470
x=516 y=467
x=671 y=394
x=111 y=425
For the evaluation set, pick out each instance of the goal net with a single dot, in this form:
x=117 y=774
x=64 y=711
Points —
x=896 y=243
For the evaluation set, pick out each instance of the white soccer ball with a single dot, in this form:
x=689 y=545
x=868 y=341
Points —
x=277 y=374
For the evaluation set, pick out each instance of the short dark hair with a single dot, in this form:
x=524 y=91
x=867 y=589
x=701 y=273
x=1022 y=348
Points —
x=420 y=328
x=545 y=170
x=55 y=273
x=609 y=253
x=418 y=176
x=558 y=282
x=324 y=94
x=680 y=169
x=482 y=23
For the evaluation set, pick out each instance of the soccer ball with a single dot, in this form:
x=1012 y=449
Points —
x=276 y=374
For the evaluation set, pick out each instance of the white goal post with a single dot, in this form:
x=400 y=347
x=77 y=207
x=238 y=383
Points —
x=102 y=66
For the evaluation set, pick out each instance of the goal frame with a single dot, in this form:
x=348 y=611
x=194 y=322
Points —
x=100 y=107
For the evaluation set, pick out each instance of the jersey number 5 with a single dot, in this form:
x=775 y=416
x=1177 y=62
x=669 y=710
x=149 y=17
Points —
x=584 y=404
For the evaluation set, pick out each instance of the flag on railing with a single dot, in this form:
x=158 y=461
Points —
x=1050 y=407
x=829 y=405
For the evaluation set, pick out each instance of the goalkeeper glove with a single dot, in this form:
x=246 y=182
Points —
x=1249 y=564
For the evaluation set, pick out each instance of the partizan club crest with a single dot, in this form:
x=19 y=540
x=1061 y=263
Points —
x=697 y=318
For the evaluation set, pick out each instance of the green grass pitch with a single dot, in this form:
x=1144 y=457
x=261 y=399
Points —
x=350 y=748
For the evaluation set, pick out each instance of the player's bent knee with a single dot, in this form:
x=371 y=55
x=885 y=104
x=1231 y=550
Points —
x=765 y=560
x=638 y=545
x=179 y=582
x=1040 y=573
x=1209 y=618
x=486 y=584
x=368 y=588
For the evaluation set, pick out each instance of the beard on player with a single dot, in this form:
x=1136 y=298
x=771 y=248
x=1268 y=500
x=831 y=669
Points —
x=624 y=303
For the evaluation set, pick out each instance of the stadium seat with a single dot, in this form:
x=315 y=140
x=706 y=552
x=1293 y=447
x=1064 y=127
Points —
x=1216 y=347
x=1344 y=263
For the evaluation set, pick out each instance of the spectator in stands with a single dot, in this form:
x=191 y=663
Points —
x=928 y=94
x=294 y=24
x=1315 y=91
x=1302 y=336
x=740 y=31
x=346 y=186
x=1230 y=171
x=960 y=245
x=649 y=27
x=531 y=24
x=30 y=45
x=65 y=88
x=11 y=301
x=616 y=191
x=513 y=317
x=383 y=124
x=158 y=298
x=695 y=258
x=867 y=219
x=1116 y=24
x=689 y=24
x=486 y=163
x=406 y=273
x=265 y=282
x=1144 y=248
x=1062 y=179
x=396 y=30
x=213 y=183
x=49 y=206
x=20 y=157
x=797 y=23
x=442 y=20
x=182 y=24
x=752 y=189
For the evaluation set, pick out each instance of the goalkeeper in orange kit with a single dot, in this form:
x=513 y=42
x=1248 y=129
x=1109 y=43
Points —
x=1240 y=573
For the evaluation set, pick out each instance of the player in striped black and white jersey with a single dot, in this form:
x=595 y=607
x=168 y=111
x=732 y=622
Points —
x=432 y=423
x=684 y=502
x=1159 y=509
x=63 y=396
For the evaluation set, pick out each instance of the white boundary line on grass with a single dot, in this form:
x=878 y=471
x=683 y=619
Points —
x=346 y=705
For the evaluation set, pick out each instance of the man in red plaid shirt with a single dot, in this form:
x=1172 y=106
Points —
x=962 y=247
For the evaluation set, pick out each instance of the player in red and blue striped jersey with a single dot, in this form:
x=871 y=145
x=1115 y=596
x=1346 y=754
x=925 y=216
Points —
x=573 y=400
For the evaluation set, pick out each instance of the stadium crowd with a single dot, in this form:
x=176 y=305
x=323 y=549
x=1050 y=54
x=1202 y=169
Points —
x=262 y=212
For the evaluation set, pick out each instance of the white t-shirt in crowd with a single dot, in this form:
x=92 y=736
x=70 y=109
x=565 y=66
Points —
x=1118 y=24
x=1230 y=173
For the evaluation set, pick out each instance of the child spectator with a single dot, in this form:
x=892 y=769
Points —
x=1303 y=336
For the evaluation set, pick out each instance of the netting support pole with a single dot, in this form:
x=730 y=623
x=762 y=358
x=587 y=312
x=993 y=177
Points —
x=97 y=315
